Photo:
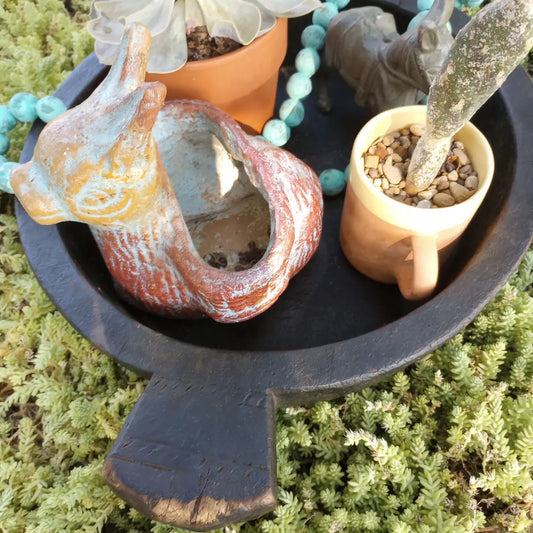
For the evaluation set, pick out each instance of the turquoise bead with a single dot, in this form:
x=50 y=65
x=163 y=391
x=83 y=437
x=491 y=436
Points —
x=3 y=159
x=7 y=120
x=474 y=3
x=323 y=15
x=292 y=112
x=299 y=86
x=314 y=36
x=276 y=132
x=5 y=171
x=4 y=143
x=424 y=5
x=332 y=181
x=347 y=173
x=22 y=105
x=49 y=107
x=307 y=61
x=340 y=3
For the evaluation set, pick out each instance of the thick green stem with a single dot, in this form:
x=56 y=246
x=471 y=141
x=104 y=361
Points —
x=484 y=53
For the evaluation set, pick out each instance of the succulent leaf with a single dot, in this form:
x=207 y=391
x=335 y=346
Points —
x=483 y=54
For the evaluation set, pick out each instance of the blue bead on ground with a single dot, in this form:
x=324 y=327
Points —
x=299 y=86
x=49 y=107
x=332 y=181
x=276 y=132
x=7 y=119
x=5 y=171
x=4 y=143
x=3 y=159
x=292 y=112
x=314 y=36
x=323 y=15
x=307 y=61
x=22 y=105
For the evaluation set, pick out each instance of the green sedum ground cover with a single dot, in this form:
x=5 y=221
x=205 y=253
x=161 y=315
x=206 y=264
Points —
x=445 y=446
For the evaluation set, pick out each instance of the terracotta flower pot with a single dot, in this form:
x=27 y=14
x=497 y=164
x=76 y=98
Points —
x=395 y=243
x=242 y=83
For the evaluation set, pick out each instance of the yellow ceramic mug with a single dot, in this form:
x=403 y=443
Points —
x=395 y=243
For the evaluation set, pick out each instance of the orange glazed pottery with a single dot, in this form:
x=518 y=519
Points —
x=392 y=242
x=242 y=83
x=172 y=192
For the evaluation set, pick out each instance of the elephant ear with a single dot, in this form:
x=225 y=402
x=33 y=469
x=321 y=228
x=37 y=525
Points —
x=428 y=36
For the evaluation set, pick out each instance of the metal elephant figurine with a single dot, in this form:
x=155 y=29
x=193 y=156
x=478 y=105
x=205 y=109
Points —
x=386 y=69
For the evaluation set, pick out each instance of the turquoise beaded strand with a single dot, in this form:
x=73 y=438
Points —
x=23 y=107
x=299 y=86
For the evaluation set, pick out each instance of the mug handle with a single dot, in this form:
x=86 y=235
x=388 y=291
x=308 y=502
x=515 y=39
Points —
x=417 y=279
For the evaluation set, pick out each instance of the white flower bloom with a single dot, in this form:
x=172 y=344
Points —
x=169 y=20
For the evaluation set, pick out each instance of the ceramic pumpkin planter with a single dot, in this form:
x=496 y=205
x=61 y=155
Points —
x=242 y=83
x=162 y=190
x=395 y=243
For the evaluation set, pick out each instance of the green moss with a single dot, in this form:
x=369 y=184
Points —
x=445 y=445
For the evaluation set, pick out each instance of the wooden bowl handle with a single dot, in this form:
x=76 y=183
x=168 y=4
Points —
x=196 y=456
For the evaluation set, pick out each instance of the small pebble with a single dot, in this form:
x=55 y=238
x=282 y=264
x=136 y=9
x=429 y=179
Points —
x=461 y=156
x=417 y=129
x=388 y=139
x=377 y=182
x=371 y=161
x=427 y=194
x=424 y=204
x=443 y=199
x=385 y=184
x=459 y=192
x=465 y=169
x=373 y=172
x=381 y=151
x=393 y=174
x=453 y=175
x=472 y=182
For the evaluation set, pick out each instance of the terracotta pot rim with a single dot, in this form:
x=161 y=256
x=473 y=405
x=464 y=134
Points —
x=402 y=211
x=279 y=26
